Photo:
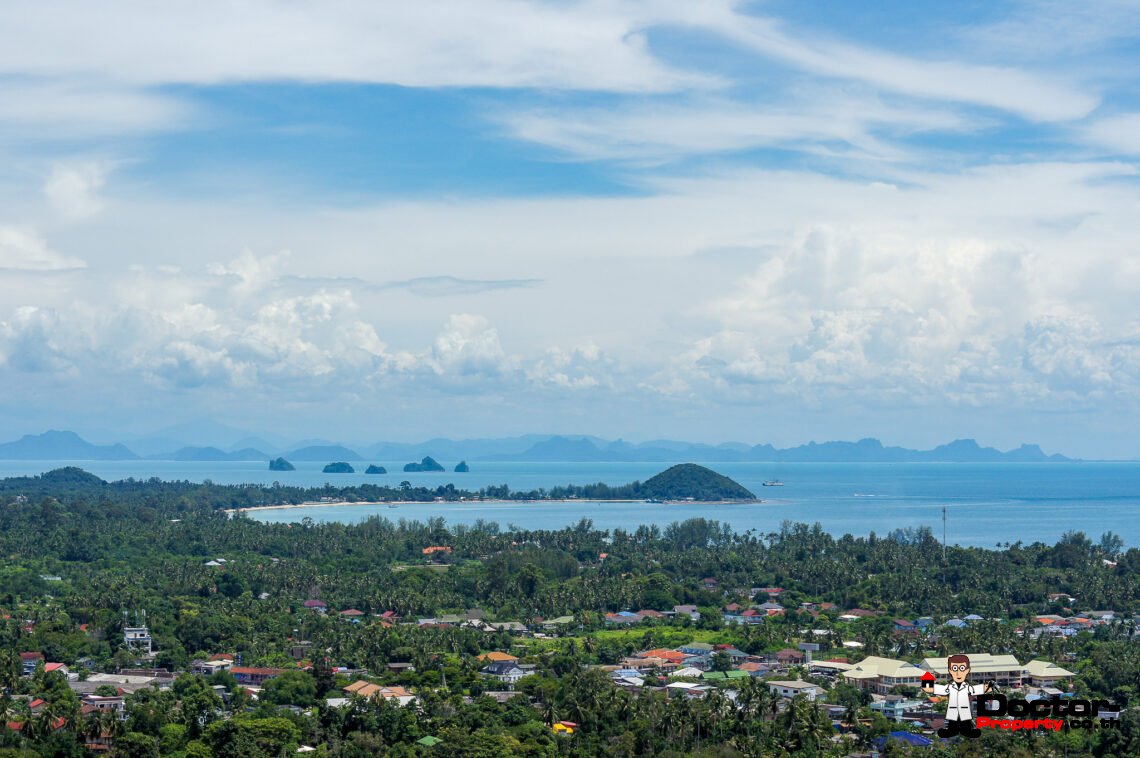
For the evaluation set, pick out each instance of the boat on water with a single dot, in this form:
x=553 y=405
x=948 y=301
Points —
x=393 y=506
x=774 y=483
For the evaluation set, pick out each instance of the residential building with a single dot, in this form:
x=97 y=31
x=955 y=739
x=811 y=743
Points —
x=138 y=638
x=507 y=672
x=1004 y=669
x=29 y=661
x=367 y=690
x=790 y=689
x=687 y=610
x=253 y=676
x=881 y=675
x=1039 y=673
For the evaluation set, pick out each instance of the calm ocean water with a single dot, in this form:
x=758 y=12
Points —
x=986 y=504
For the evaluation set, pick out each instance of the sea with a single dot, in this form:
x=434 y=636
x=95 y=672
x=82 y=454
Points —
x=986 y=504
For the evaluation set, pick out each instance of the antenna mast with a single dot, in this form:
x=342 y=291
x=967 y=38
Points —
x=944 y=534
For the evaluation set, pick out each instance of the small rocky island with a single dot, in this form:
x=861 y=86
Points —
x=339 y=467
x=374 y=469
x=280 y=464
x=427 y=464
x=462 y=467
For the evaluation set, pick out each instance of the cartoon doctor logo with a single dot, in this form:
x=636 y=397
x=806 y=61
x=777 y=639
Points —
x=959 y=717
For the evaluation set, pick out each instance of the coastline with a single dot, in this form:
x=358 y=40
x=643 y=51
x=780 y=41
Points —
x=397 y=503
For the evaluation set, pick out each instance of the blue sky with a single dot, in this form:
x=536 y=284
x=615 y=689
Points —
x=765 y=221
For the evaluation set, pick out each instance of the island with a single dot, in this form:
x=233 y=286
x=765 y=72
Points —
x=280 y=464
x=462 y=467
x=339 y=468
x=687 y=481
x=427 y=464
x=374 y=469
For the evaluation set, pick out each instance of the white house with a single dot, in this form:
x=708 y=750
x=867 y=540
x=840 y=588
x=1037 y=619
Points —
x=790 y=689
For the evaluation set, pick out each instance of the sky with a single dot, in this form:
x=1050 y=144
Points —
x=757 y=221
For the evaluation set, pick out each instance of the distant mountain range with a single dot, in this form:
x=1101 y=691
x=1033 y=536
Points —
x=61 y=446
x=68 y=446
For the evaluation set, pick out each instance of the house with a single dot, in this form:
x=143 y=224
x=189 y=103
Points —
x=391 y=616
x=206 y=668
x=687 y=610
x=320 y=606
x=733 y=608
x=753 y=668
x=437 y=551
x=103 y=703
x=401 y=668
x=696 y=648
x=649 y=613
x=29 y=661
x=1039 y=673
x=907 y=627
x=788 y=656
x=59 y=668
x=368 y=690
x=664 y=655
x=557 y=624
x=623 y=618
x=138 y=638
x=688 y=671
x=857 y=613
x=1004 y=669
x=497 y=657
x=772 y=592
x=253 y=676
x=688 y=689
x=790 y=689
x=895 y=707
x=352 y=615
x=881 y=675
x=514 y=627
x=904 y=738
x=748 y=617
x=771 y=609
x=507 y=672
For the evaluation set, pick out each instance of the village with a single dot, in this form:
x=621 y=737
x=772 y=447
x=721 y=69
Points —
x=827 y=667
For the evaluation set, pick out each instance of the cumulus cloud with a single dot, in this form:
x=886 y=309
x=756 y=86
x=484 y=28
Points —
x=468 y=345
x=23 y=249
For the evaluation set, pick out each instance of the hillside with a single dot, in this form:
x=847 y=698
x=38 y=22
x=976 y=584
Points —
x=688 y=480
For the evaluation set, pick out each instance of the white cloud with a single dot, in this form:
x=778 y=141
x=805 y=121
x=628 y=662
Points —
x=1121 y=133
x=1035 y=96
x=73 y=188
x=468 y=345
x=70 y=109
x=23 y=249
x=831 y=119
x=497 y=43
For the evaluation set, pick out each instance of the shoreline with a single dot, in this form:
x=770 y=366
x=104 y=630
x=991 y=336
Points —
x=397 y=503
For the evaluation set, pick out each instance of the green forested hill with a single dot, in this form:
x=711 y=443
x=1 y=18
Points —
x=687 y=480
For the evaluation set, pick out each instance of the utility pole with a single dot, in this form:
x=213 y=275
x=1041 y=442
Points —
x=944 y=534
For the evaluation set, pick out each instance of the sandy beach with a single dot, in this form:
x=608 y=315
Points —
x=398 y=503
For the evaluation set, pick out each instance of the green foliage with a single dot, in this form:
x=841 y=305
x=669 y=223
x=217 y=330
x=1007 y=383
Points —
x=291 y=688
x=252 y=737
x=427 y=464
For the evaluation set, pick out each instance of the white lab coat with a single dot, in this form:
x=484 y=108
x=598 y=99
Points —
x=958 y=696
